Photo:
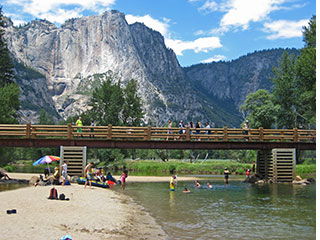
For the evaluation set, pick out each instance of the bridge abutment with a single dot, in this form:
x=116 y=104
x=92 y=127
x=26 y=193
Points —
x=77 y=157
x=277 y=165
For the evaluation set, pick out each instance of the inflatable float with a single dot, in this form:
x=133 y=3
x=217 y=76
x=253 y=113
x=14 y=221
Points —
x=82 y=180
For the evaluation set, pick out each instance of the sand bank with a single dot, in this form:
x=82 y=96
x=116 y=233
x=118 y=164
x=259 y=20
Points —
x=90 y=214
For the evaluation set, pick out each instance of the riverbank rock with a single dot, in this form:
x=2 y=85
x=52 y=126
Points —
x=34 y=180
x=254 y=179
x=305 y=181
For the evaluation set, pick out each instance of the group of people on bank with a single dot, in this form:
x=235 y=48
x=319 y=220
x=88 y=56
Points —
x=97 y=175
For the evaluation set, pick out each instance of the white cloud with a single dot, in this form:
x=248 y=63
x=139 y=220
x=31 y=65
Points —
x=198 y=45
x=150 y=22
x=215 y=58
x=241 y=12
x=209 y=6
x=285 y=29
x=59 y=10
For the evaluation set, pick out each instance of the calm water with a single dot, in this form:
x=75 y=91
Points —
x=233 y=211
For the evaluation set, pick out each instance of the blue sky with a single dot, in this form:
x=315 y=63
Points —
x=197 y=30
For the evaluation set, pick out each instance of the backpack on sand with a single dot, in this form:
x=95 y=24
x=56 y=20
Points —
x=53 y=194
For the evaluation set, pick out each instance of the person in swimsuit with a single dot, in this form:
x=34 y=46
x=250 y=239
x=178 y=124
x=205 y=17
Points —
x=88 y=174
x=123 y=179
x=197 y=183
x=226 y=175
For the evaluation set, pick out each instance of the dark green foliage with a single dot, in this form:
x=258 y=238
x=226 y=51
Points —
x=260 y=109
x=6 y=65
x=106 y=103
x=9 y=103
x=285 y=91
x=132 y=110
x=306 y=75
x=45 y=118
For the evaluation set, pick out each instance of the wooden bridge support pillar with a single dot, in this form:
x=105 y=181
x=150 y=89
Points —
x=77 y=157
x=277 y=165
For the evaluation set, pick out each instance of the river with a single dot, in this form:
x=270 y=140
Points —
x=233 y=211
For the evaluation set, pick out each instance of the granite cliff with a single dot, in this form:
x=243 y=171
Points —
x=57 y=69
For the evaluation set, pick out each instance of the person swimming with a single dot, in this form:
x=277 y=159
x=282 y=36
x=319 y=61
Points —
x=197 y=183
x=209 y=185
x=186 y=190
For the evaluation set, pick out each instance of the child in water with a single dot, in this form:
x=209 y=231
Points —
x=173 y=183
x=186 y=190
x=197 y=183
x=209 y=185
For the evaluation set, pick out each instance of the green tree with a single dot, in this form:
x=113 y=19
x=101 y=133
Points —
x=45 y=118
x=9 y=103
x=306 y=75
x=260 y=109
x=6 y=64
x=107 y=103
x=132 y=110
x=285 y=91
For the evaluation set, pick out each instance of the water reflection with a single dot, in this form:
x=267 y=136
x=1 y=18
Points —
x=11 y=186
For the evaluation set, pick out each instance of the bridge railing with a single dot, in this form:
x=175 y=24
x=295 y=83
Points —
x=155 y=133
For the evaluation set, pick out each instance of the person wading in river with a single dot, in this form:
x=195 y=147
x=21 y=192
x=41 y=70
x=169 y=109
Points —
x=226 y=175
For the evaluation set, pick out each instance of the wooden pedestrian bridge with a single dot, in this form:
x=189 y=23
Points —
x=125 y=137
x=276 y=148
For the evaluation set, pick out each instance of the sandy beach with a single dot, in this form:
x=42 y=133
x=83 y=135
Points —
x=89 y=214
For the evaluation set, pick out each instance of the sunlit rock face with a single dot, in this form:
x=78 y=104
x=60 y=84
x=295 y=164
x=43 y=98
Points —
x=70 y=55
x=76 y=57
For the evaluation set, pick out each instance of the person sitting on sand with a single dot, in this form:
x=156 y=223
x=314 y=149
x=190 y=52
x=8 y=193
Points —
x=4 y=175
x=197 y=183
x=186 y=190
x=88 y=174
x=56 y=176
x=110 y=178
x=209 y=185
x=99 y=175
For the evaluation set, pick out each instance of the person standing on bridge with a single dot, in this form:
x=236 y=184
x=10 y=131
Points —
x=79 y=124
x=169 y=127
x=92 y=129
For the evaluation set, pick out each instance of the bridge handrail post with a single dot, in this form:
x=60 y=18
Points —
x=188 y=136
x=28 y=130
x=225 y=134
x=149 y=133
x=295 y=135
x=261 y=136
x=69 y=131
x=33 y=132
x=109 y=135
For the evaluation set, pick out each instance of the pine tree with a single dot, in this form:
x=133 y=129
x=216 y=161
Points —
x=132 y=110
x=306 y=75
x=285 y=91
x=6 y=65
